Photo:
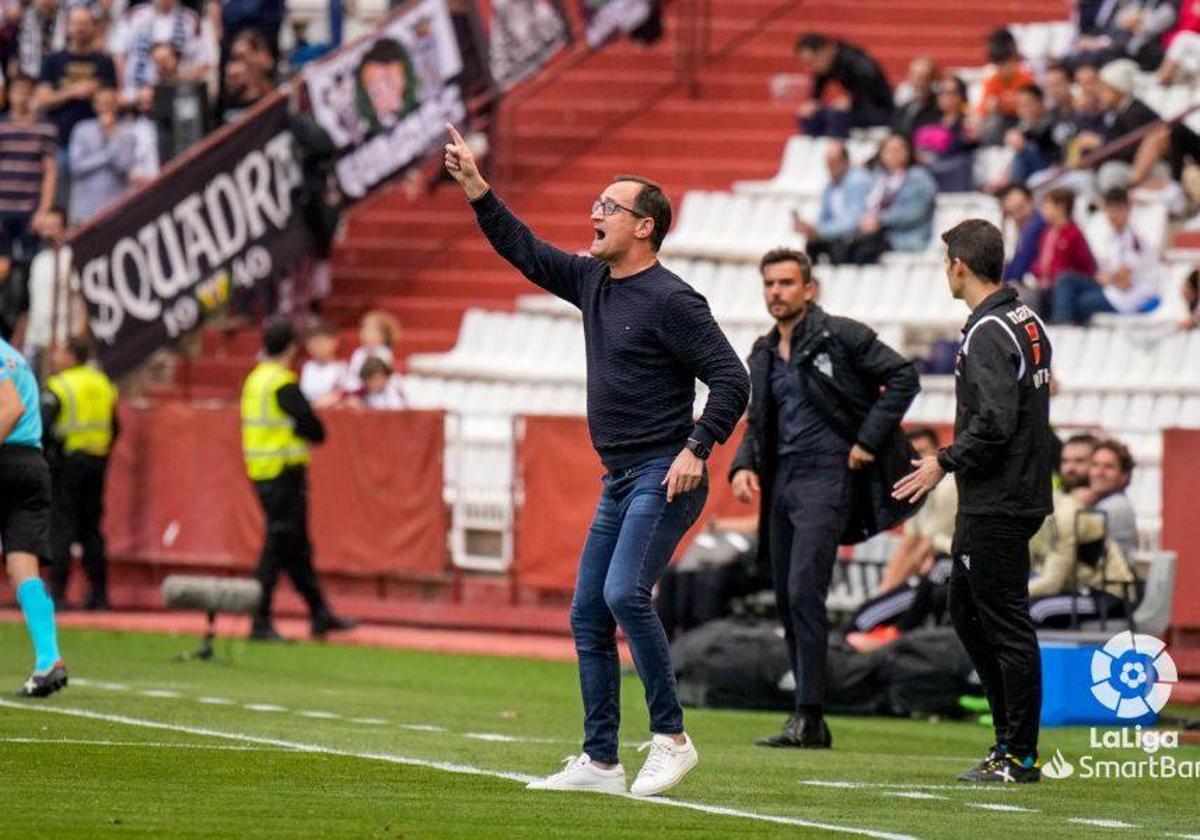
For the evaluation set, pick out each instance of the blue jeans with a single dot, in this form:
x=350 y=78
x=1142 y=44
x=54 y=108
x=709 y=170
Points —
x=629 y=545
x=1074 y=299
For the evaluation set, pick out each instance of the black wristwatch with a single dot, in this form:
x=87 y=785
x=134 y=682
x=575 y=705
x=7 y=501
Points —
x=699 y=449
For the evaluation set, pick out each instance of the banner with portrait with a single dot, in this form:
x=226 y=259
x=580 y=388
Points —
x=523 y=35
x=605 y=19
x=385 y=100
x=221 y=223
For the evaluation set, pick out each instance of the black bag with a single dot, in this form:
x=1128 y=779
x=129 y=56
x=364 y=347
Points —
x=733 y=664
x=718 y=568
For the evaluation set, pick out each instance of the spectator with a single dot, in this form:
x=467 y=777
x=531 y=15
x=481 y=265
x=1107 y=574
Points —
x=899 y=212
x=946 y=147
x=1089 y=104
x=70 y=78
x=1128 y=276
x=323 y=377
x=867 y=97
x=919 y=106
x=998 y=100
x=1191 y=299
x=28 y=172
x=1075 y=461
x=245 y=86
x=1016 y=202
x=40 y=32
x=1123 y=113
x=305 y=51
x=103 y=153
x=1108 y=478
x=1131 y=29
x=146 y=157
x=253 y=48
x=842 y=204
x=1031 y=139
x=377 y=335
x=179 y=107
x=148 y=24
x=1063 y=250
x=264 y=18
x=1181 y=65
x=380 y=388
x=50 y=320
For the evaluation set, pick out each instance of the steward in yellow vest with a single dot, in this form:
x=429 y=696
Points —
x=278 y=424
x=79 y=415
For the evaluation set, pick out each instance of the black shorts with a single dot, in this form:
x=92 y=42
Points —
x=24 y=501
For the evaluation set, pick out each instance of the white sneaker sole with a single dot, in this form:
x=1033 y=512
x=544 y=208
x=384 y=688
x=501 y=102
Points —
x=614 y=786
x=691 y=761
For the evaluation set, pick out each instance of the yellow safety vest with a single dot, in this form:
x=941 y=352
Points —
x=86 y=402
x=269 y=439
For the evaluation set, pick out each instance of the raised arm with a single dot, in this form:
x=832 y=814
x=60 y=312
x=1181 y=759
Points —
x=556 y=271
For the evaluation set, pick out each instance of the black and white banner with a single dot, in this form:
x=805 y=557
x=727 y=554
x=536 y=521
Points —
x=522 y=36
x=223 y=221
x=384 y=101
x=604 y=19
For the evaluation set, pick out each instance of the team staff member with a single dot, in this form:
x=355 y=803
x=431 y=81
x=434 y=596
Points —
x=824 y=445
x=649 y=336
x=79 y=410
x=1002 y=458
x=277 y=426
x=25 y=516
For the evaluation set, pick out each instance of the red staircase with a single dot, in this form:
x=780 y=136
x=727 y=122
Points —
x=426 y=262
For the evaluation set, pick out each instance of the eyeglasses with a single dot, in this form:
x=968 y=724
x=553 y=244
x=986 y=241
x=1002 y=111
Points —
x=610 y=207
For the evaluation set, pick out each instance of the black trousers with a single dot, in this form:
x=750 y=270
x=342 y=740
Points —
x=287 y=546
x=989 y=607
x=811 y=502
x=857 y=249
x=76 y=512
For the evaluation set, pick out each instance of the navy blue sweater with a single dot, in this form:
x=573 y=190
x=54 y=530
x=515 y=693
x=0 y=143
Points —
x=649 y=337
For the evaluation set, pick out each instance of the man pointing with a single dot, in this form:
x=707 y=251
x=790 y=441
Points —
x=649 y=337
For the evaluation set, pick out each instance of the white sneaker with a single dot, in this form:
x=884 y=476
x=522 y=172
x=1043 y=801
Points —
x=666 y=765
x=581 y=774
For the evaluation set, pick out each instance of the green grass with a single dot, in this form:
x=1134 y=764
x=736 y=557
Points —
x=133 y=780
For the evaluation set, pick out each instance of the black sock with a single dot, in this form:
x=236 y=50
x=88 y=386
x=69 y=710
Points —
x=811 y=712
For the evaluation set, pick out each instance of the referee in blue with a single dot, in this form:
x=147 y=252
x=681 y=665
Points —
x=1002 y=459
x=25 y=516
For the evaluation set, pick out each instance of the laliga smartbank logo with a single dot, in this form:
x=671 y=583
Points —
x=1132 y=675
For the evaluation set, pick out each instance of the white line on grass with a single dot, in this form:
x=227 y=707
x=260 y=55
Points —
x=996 y=806
x=369 y=721
x=107 y=686
x=151 y=744
x=914 y=794
x=161 y=693
x=319 y=715
x=446 y=767
x=216 y=701
x=1101 y=823
x=966 y=788
x=420 y=727
x=263 y=707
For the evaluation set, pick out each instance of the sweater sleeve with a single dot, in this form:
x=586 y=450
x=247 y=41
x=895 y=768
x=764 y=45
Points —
x=558 y=272
x=307 y=424
x=688 y=330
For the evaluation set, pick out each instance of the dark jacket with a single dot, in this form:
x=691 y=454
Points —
x=843 y=367
x=861 y=77
x=1002 y=455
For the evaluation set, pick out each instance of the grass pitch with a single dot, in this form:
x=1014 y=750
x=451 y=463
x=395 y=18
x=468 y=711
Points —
x=325 y=741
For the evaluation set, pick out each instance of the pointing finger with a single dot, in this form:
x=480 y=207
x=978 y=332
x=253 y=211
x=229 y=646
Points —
x=455 y=136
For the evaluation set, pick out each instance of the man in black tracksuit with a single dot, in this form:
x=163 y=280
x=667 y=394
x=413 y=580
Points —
x=1002 y=458
x=824 y=446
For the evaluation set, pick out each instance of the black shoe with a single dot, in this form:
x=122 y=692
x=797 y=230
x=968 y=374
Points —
x=1004 y=768
x=801 y=733
x=330 y=623
x=265 y=633
x=994 y=753
x=97 y=605
x=44 y=683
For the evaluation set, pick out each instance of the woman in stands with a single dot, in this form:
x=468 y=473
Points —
x=899 y=211
x=947 y=148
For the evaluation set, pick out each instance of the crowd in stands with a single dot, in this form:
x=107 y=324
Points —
x=367 y=380
x=96 y=97
x=1050 y=131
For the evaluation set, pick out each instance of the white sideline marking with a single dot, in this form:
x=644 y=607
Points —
x=216 y=701
x=1101 y=823
x=904 y=786
x=107 y=686
x=369 y=721
x=152 y=744
x=914 y=794
x=995 y=806
x=421 y=727
x=162 y=693
x=446 y=767
x=319 y=715
x=264 y=707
